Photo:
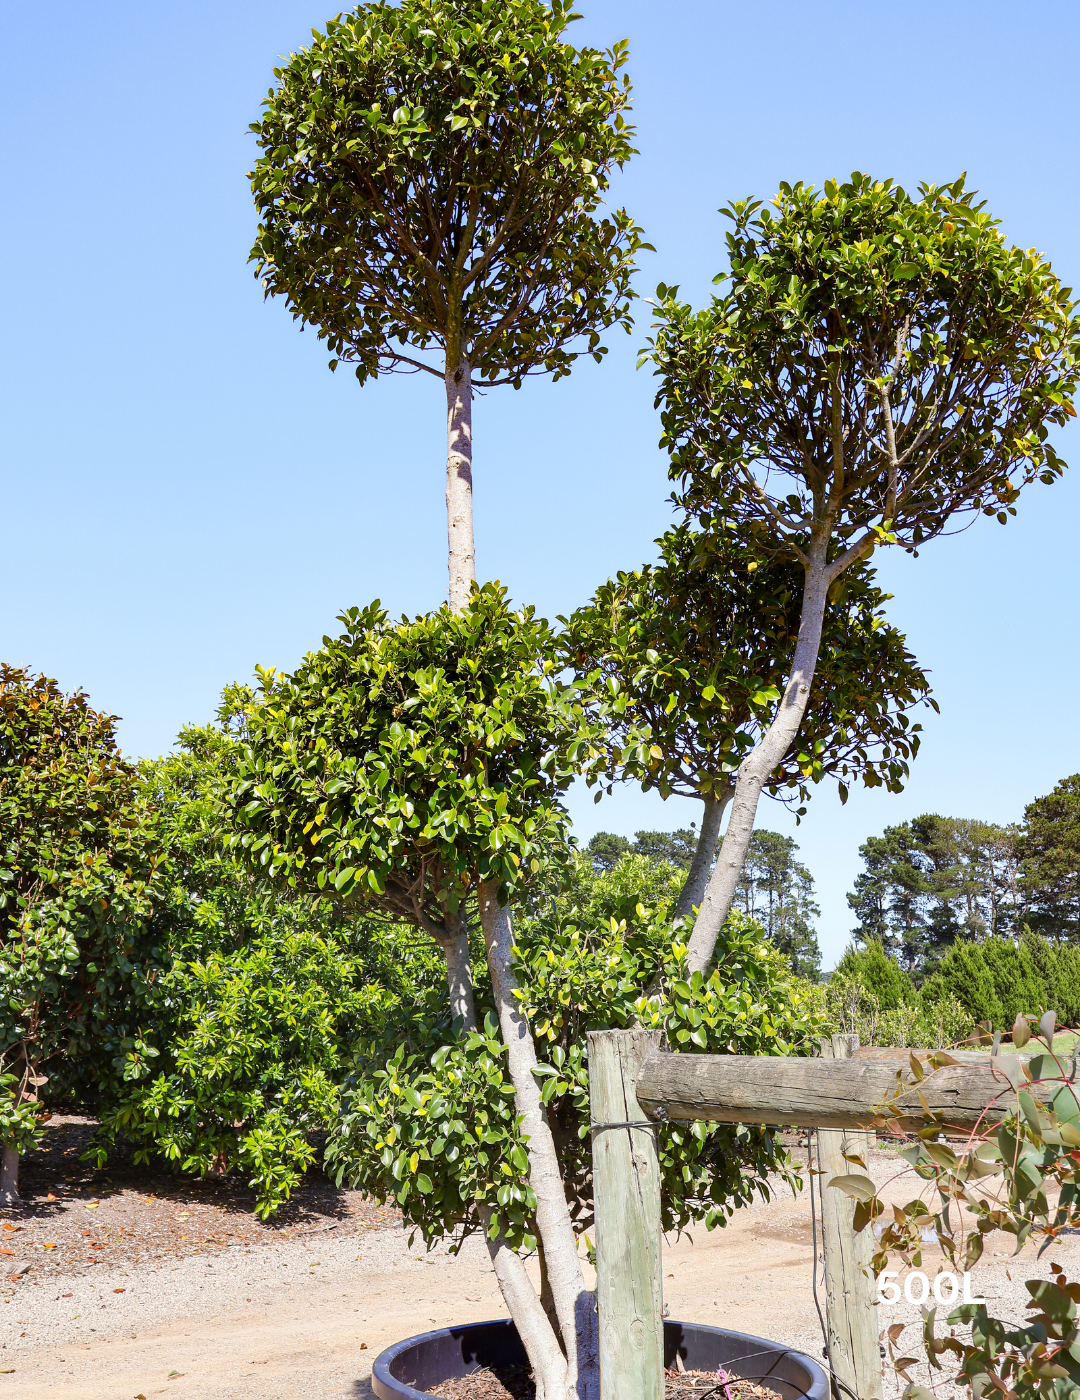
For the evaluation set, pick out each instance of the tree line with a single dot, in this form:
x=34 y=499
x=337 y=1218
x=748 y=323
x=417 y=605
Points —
x=774 y=889
x=931 y=882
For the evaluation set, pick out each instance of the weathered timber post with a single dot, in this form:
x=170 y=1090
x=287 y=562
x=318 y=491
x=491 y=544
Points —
x=626 y=1195
x=850 y=1289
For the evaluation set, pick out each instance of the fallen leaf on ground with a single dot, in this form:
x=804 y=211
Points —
x=7 y=1251
x=173 y=1375
x=51 y=1197
x=363 y=1346
x=91 y=1205
x=48 y=1245
x=118 y=1290
x=9 y=1226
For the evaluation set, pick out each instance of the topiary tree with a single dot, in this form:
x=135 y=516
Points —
x=78 y=858
x=430 y=181
x=417 y=768
x=699 y=646
x=880 y=369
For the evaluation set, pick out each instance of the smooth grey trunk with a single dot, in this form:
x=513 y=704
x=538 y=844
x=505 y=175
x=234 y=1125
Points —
x=547 y=1298
x=455 y=946
x=755 y=768
x=9 y=1176
x=459 y=516
x=575 y=1307
x=536 y=1331
x=697 y=878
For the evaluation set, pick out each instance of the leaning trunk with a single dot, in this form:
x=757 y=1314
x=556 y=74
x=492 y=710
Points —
x=459 y=521
x=697 y=879
x=538 y=1332
x=9 y=1176
x=574 y=1306
x=755 y=769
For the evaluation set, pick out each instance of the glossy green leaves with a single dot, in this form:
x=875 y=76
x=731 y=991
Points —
x=877 y=366
x=403 y=763
x=431 y=176
x=699 y=646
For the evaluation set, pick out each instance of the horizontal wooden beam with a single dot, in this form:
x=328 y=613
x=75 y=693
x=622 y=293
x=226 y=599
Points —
x=819 y=1093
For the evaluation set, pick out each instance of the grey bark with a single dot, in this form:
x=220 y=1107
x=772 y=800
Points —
x=697 y=878
x=455 y=946
x=9 y=1176
x=574 y=1305
x=538 y=1336
x=755 y=769
x=843 y=1094
x=459 y=517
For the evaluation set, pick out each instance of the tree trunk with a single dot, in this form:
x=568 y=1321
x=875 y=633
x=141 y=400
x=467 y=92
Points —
x=538 y=1332
x=547 y=1298
x=9 y=1176
x=755 y=769
x=455 y=946
x=459 y=520
x=697 y=878
x=539 y=1338
x=574 y=1306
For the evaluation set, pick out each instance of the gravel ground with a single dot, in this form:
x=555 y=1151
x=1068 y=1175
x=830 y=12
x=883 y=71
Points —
x=191 y=1297
x=75 y=1218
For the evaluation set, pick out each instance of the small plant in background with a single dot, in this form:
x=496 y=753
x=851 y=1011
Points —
x=868 y=995
x=1020 y=1176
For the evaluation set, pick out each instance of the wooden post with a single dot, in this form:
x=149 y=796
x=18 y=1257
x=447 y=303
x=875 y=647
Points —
x=626 y=1195
x=851 y=1293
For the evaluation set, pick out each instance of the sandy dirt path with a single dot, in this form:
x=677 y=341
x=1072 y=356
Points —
x=306 y=1314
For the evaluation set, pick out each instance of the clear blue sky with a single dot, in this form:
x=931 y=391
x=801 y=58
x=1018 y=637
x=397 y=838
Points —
x=188 y=491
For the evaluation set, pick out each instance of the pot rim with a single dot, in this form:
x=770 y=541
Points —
x=387 y=1385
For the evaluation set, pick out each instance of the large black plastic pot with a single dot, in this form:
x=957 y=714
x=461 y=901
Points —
x=409 y=1369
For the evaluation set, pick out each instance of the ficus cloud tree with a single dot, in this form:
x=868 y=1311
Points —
x=699 y=646
x=416 y=768
x=429 y=190
x=880 y=369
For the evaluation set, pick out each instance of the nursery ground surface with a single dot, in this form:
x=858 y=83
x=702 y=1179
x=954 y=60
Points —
x=515 y=1383
x=158 y=1285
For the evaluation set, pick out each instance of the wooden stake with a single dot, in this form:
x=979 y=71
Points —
x=626 y=1195
x=851 y=1293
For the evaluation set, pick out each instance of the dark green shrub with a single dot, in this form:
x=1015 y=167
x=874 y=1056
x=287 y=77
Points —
x=995 y=981
x=880 y=975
